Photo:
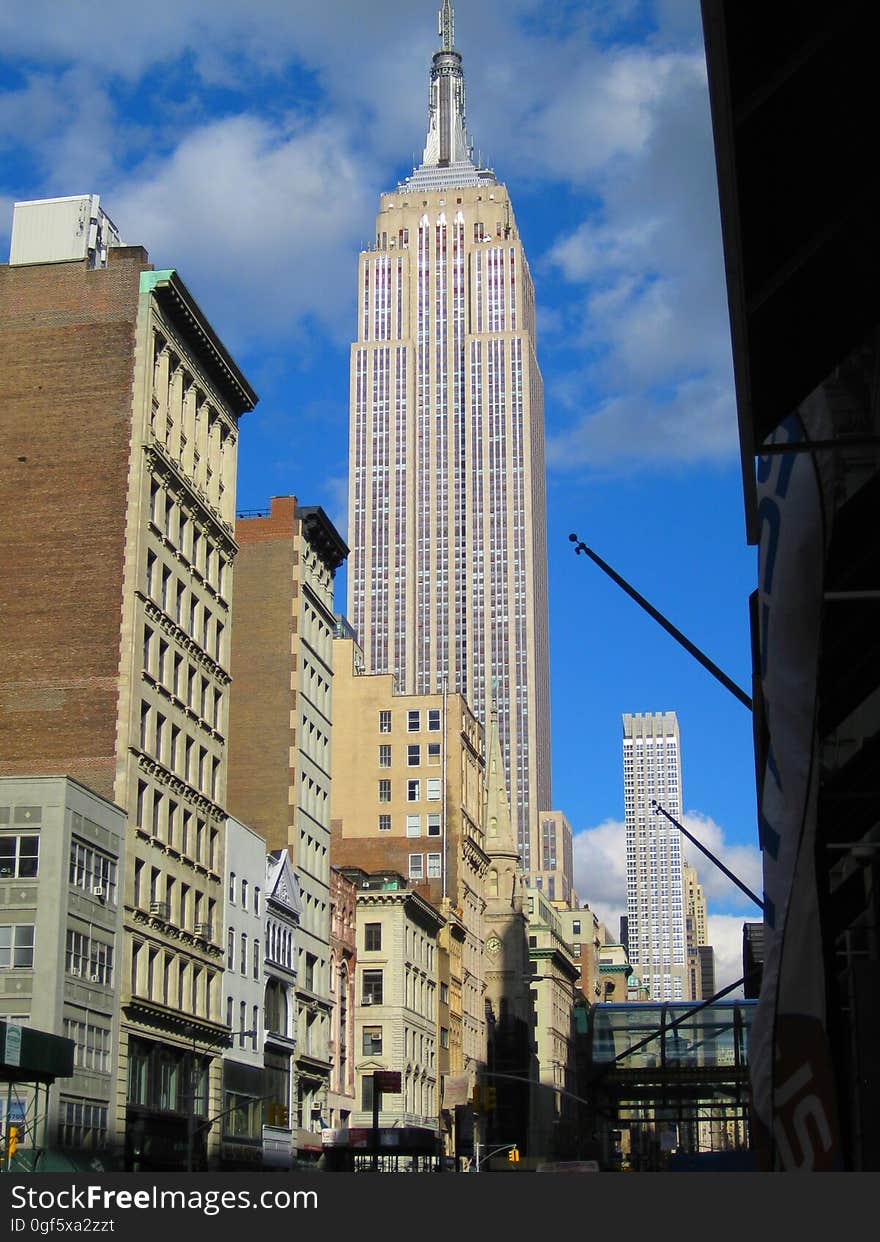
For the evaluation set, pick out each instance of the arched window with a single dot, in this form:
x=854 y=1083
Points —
x=275 y=1007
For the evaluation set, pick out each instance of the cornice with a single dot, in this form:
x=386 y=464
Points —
x=181 y=308
x=190 y=496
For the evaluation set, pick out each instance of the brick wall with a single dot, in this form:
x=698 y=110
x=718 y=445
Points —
x=262 y=697
x=67 y=338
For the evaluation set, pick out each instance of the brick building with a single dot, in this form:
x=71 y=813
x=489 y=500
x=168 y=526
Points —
x=118 y=442
x=280 y=728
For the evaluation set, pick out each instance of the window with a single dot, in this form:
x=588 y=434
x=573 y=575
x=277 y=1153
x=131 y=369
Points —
x=230 y=950
x=385 y=790
x=16 y=945
x=384 y=722
x=413 y=721
x=413 y=825
x=92 y=1050
x=367 y=1093
x=413 y=756
x=385 y=756
x=413 y=791
x=433 y=788
x=19 y=856
x=433 y=866
x=87 y=958
x=434 y=754
x=416 y=862
x=244 y=889
x=444 y=993
x=256 y=901
x=434 y=824
x=384 y=823
x=576 y=927
x=256 y=957
x=372 y=1046
x=444 y=1037
x=371 y=993
x=311 y=963
x=372 y=937
x=82 y=1125
x=232 y=887
x=242 y=959
x=434 y=720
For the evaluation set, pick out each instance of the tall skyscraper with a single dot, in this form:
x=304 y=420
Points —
x=447 y=578
x=654 y=862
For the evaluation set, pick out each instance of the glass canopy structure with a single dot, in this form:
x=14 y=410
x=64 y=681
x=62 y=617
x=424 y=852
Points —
x=667 y=1083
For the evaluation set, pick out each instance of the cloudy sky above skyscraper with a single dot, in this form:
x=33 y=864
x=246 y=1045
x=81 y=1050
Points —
x=245 y=142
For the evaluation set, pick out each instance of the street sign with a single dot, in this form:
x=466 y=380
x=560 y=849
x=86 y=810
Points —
x=387 y=1081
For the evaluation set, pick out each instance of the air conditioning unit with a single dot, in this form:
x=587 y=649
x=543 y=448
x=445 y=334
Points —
x=204 y=930
x=368 y=1000
x=159 y=909
x=97 y=979
x=99 y=891
x=75 y=971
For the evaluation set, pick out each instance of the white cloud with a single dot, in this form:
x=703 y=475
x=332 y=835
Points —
x=743 y=860
x=68 y=124
x=608 y=109
x=648 y=305
x=725 y=936
x=600 y=864
x=600 y=880
x=335 y=489
x=695 y=421
x=265 y=216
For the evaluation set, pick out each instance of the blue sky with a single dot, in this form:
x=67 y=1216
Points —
x=246 y=144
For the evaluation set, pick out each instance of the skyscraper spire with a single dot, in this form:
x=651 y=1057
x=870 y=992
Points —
x=447 y=27
x=500 y=833
x=447 y=158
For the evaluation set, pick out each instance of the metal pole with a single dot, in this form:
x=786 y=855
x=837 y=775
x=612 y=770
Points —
x=6 y=1125
x=377 y=1094
x=720 y=865
x=191 y=1109
x=676 y=633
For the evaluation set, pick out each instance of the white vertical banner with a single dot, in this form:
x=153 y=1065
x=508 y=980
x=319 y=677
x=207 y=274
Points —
x=793 y=1091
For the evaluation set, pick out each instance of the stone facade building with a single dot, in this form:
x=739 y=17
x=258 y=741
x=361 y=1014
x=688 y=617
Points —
x=123 y=682
x=408 y=797
x=343 y=960
x=62 y=857
x=244 y=926
x=396 y=1001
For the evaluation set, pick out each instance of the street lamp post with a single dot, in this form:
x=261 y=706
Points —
x=495 y=1151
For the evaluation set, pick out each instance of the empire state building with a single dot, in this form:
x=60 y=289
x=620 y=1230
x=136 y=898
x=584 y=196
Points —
x=447 y=580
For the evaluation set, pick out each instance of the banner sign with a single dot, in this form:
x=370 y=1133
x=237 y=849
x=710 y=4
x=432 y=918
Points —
x=793 y=1093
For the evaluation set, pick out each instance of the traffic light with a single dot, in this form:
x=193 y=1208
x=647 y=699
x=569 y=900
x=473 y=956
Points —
x=491 y=1096
x=477 y=1098
x=11 y=1141
x=513 y=1155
